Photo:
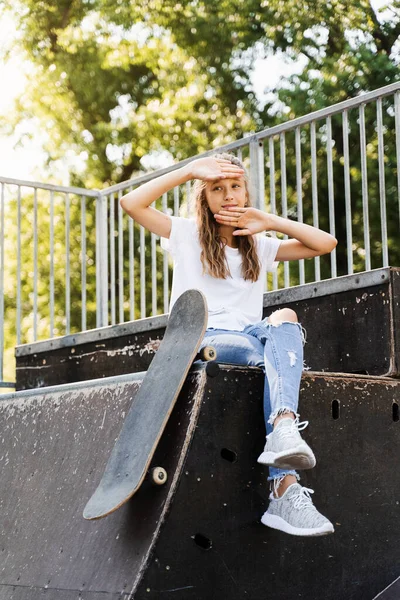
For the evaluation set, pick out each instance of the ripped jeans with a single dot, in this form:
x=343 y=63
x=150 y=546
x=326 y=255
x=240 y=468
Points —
x=278 y=350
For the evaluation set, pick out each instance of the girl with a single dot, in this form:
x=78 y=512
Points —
x=223 y=254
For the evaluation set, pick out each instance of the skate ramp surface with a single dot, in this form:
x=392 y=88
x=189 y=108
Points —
x=199 y=537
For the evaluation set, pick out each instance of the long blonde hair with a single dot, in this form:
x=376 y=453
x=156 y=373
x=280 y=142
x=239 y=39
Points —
x=212 y=255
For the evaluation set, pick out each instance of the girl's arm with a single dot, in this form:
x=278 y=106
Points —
x=137 y=203
x=307 y=241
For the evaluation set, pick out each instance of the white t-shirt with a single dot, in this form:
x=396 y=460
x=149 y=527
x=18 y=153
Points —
x=234 y=302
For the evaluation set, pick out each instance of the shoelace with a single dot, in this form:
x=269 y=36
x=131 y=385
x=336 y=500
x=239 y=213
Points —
x=300 y=500
x=303 y=498
x=288 y=431
x=275 y=485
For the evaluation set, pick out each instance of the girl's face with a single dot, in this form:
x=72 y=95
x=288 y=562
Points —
x=223 y=193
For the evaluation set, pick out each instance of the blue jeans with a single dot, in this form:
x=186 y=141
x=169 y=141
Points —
x=278 y=350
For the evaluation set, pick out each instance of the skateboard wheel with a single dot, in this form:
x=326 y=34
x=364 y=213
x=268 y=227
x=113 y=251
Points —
x=208 y=353
x=158 y=476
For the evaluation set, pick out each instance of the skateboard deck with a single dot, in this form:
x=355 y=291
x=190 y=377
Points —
x=145 y=422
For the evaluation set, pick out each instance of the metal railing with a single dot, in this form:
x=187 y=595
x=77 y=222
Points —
x=71 y=260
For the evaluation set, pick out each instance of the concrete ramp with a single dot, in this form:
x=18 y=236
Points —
x=213 y=545
x=198 y=537
x=54 y=446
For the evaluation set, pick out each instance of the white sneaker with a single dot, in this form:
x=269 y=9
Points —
x=286 y=449
x=295 y=513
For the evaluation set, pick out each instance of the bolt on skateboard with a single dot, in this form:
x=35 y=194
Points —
x=145 y=422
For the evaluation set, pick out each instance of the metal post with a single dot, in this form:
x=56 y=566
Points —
x=257 y=173
x=120 y=260
x=382 y=186
x=364 y=187
x=347 y=192
x=101 y=262
x=67 y=265
x=35 y=264
x=131 y=269
x=299 y=192
x=272 y=192
x=282 y=142
x=2 y=238
x=83 y=262
x=331 y=196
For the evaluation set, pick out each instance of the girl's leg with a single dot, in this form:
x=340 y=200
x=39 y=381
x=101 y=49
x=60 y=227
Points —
x=238 y=348
x=290 y=507
x=235 y=347
x=280 y=478
x=282 y=337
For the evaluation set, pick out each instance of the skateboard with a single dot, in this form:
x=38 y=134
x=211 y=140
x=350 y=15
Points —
x=145 y=422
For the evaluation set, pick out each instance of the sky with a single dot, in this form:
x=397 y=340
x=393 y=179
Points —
x=25 y=161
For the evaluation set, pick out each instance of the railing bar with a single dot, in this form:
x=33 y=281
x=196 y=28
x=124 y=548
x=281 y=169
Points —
x=261 y=176
x=382 y=190
x=67 y=265
x=364 y=188
x=299 y=192
x=83 y=263
x=120 y=260
x=19 y=266
x=347 y=195
x=397 y=129
x=239 y=154
x=189 y=200
x=51 y=263
x=98 y=211
x=331 y=195
x=255 y=177
x=35 y=264
x=142 y=274
x=314 y=187
x=286 y=275
x=272 y=197
x=131 y=269
x=272 y=186
x=50 y=187
x=112 y=259
x=153 y=274
x=2 y=238
x=176 y=201
x=261 y=186
x=165 y=260
x=102 y=255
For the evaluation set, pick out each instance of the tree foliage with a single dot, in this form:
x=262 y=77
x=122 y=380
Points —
x=115 y=81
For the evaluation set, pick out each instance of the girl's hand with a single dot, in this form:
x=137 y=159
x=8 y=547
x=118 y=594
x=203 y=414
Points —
x=249 y=220
x=210 y=169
